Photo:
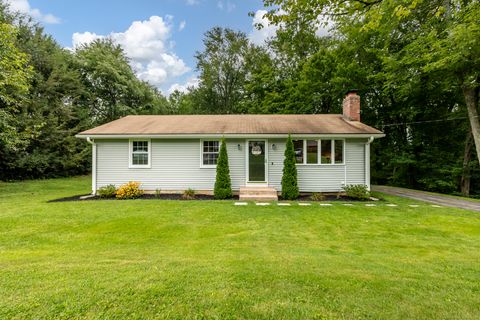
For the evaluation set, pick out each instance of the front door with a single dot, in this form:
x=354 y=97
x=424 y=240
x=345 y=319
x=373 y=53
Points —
x=257 y=162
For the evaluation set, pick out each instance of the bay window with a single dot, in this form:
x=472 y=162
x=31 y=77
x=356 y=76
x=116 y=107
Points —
x=324 y=151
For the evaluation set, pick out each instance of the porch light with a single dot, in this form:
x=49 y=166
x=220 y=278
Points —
x=274 y=146
x=239 y=147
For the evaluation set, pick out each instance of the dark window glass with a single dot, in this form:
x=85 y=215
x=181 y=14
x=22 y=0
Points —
x=338 y=151
x=140 y=146
x=210 y=152
x=298 y=148
x=312 y=151
x=326 y=149
x=140 y=153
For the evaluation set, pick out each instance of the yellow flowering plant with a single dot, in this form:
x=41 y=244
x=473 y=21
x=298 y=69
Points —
x=130 y=190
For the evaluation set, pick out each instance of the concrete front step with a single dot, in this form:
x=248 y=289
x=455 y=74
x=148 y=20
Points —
x=258 y=193
x=258 y=198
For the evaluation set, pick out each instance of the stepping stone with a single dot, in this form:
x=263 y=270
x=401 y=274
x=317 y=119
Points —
x=414 y=205
x=241 y=203
x=348 y=204
x=262 y=203
x=436 y=206
x=304 y=204
x=374 y=199
x=391 y=205
x=325 y=204
x=283 y=204
x=370 y=205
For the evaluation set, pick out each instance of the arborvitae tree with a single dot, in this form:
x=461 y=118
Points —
x=223 y=185
x=289 y=178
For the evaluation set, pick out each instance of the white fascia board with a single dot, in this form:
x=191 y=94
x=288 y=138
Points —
x=227 y=135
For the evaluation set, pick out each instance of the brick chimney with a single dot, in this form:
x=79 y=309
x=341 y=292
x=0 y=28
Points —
x=351 y=106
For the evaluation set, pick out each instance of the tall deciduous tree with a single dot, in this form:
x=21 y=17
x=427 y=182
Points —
x=444 y=35
x=113 y=90
x=15 y=74
x=224 y=67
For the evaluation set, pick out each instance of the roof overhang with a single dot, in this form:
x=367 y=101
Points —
x=228 y=135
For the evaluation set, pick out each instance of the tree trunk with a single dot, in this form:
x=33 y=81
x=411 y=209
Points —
x=471 y=100
x=467 y=156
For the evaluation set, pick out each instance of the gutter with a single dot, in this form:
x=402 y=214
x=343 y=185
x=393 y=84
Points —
x=367 y=161
x=229 y=135
x=94 y=165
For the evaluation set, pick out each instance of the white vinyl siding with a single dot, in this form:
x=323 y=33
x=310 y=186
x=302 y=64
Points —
x=321 y=178
x=355 y=160
x=174 y=165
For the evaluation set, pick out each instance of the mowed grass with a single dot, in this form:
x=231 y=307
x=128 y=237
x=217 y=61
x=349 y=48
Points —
x=159 y=259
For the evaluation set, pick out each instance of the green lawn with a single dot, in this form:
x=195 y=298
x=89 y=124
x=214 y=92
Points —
x=203 y=259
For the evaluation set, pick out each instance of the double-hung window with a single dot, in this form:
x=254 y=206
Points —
x=210 y=151
x=319 y=151
x=140 y=151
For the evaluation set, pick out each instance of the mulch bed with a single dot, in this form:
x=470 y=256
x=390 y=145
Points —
x=163 y=196
x=326 y=198
x=176 y=196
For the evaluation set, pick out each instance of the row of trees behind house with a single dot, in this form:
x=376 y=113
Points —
x=413 y=87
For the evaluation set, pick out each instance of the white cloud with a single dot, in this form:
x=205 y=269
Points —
x=23 y=6
x=182 y=25
x=147 y=43
x=84 y=38
x=226 y=5
x=324 y=26
x=191 y=82
x=259 y=36
x=192 y=2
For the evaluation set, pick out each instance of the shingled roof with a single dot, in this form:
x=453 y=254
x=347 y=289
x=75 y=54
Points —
x=238 y=124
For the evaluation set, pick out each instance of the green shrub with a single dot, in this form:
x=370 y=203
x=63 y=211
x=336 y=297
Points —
x=130 y=190
x=317 y=196
x=223 y=185
x=108 y=191
x=289 y=178
x=357 y=191
x=188 y=194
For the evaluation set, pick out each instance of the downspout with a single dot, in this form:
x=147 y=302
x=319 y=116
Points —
x=94 y=165
x=367 y=162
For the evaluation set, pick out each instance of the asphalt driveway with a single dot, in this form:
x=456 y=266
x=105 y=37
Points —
x=429 y=197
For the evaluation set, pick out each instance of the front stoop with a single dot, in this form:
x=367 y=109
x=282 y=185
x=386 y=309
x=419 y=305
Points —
x=258 y=194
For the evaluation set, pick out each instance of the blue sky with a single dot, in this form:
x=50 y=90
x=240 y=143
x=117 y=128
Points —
x=160 y=36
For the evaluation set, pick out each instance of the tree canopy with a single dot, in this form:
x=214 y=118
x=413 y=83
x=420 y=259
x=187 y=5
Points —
x=415 y=63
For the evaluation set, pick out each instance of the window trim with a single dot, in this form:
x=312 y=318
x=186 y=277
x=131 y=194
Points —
x=319 y=150
x=208 y=166
x=130 y=153
x=303 y=151
x=343 y=152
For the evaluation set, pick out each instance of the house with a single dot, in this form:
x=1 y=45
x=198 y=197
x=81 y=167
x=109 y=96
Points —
x=177 y=152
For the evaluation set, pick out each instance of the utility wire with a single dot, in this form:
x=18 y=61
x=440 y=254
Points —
x=424 y=121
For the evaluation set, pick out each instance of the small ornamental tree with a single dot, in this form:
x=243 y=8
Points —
x=223 y=185
x=289 y=178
